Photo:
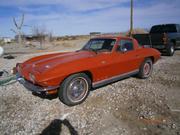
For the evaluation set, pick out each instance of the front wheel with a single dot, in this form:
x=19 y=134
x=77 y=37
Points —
x=74 y=89
x=146 y=69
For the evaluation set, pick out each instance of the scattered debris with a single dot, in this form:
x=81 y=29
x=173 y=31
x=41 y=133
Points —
x=173 y=126
x=9 y=57
x=6 y=78
x=3 y=73
x=131 y=106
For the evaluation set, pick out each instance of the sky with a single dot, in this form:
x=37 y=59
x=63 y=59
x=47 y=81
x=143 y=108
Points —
x=77 y=17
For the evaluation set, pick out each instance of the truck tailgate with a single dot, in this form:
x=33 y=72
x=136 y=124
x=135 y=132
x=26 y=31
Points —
x=143 y=39
x=157 y=39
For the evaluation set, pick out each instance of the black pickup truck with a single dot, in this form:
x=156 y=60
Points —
x=164 y=37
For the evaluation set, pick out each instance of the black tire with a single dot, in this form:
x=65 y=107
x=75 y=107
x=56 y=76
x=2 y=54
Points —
x=170 y=49
x=146 y=69
x=69 y=90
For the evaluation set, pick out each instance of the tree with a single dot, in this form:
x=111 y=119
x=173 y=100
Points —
x=18 y=30
x=40 y=33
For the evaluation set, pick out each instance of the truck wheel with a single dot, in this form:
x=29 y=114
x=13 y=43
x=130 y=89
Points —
x=146 y=69
x=170 y=49
x=74 y=89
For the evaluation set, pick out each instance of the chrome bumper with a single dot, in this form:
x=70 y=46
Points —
x=34 y=88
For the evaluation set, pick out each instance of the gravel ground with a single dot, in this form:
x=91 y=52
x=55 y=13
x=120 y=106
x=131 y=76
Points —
x=128 y=107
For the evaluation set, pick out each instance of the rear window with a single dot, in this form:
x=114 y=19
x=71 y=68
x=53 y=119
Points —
x=169 y=28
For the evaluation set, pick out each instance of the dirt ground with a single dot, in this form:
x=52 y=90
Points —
x=128 y=107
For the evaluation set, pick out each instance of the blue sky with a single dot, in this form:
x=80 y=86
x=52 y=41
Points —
x=71 y=17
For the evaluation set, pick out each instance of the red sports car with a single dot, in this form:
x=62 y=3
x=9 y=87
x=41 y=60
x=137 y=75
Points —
x=71 y=75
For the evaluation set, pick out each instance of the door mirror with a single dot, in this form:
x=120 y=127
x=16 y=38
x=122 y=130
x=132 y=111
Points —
x=124 y=50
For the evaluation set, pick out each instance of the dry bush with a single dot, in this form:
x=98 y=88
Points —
x=138 y=31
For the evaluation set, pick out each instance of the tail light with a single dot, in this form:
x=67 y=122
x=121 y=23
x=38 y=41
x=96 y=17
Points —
x=165 y=38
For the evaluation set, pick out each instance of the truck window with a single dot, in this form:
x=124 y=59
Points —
x=178 y=28
x=168 y=28
x=125 y=45
x=156 y=29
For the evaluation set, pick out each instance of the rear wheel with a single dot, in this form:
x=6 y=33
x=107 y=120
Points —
x=170 y=49
x=74 y=89
x=146 y=69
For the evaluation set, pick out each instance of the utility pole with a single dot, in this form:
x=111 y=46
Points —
x=131 y=19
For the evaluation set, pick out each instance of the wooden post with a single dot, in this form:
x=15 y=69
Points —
x=131 y=19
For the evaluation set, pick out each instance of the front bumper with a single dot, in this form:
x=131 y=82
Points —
x=36 y=88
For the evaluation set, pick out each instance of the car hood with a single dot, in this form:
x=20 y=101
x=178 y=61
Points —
x=43 y=63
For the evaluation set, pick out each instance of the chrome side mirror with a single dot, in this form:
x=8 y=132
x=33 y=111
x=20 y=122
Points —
x=124 y=50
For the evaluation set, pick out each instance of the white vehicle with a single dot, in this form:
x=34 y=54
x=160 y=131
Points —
x=1 y=51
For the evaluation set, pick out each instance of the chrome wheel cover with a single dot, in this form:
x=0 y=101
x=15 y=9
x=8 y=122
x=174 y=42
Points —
x=147 y=69
x=77 y=89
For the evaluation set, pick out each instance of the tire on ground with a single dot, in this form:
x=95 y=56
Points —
x=170 y=49
x=146 y=69
x=65 y=93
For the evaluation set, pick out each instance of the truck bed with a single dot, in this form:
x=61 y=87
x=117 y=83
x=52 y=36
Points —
x=151 y=40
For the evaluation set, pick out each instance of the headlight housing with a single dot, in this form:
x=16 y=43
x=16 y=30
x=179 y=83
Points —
x=18 y=68
x=32 y=77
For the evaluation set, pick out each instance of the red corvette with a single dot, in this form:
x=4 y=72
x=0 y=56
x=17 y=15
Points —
x=71 y=75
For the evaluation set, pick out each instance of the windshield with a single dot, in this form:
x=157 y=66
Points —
x=100 y=45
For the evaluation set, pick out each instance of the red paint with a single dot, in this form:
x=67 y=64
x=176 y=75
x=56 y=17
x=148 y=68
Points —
x=52 y=69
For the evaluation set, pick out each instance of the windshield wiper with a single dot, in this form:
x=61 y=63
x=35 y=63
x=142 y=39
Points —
x=94 y=50
x=89 y=49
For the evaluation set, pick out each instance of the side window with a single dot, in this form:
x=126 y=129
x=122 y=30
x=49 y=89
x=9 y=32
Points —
x=178 y=28
x=125 y=45
x=97 y=44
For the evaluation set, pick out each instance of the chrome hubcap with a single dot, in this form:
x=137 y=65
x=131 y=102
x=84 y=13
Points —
x=77 y=89
x=147 y=68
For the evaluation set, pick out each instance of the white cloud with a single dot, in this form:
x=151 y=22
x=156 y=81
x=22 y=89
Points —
x=157 y=14
x=109 y=20
x=76 y=5
x=104 y=21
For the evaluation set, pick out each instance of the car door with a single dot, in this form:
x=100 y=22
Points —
x=102 y=67
x=127 y=58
